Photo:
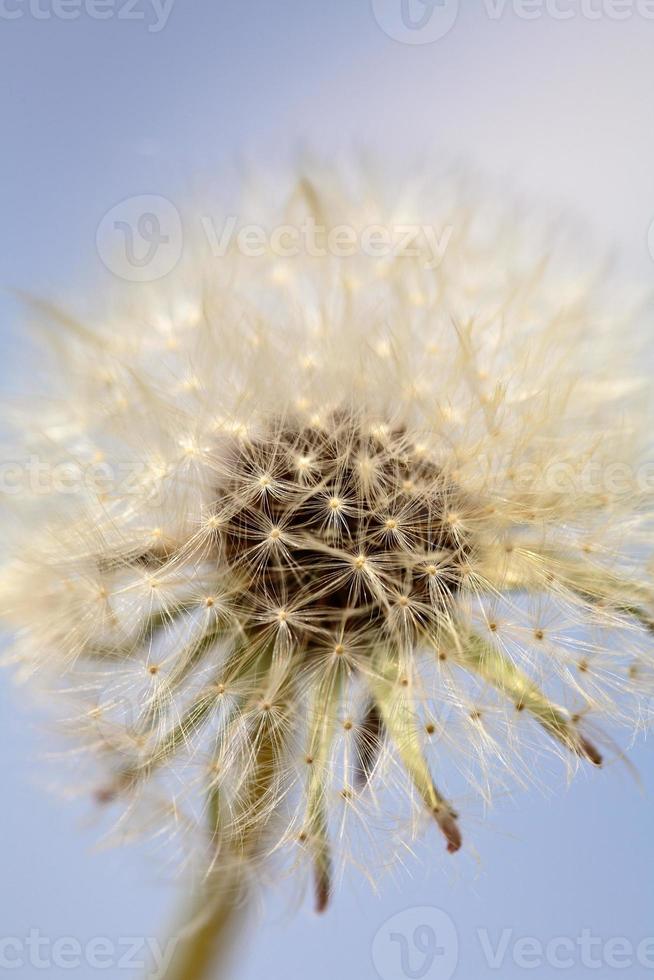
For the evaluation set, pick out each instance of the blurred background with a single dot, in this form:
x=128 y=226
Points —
x=104 y=101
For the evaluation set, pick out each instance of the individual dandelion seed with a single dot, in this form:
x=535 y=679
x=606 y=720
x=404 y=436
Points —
x=373 y=551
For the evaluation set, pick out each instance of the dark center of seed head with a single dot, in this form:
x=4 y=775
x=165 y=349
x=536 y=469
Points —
x=342 y=523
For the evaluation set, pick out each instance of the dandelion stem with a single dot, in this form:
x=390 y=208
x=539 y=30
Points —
x=210 y=929
x=218 y=910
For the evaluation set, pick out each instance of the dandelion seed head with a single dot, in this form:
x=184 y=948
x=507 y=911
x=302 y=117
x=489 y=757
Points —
x=358 y=549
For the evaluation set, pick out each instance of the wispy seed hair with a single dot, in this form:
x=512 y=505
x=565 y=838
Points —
x=350 y=541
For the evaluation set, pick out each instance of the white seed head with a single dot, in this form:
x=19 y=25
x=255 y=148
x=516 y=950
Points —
x=363 y=526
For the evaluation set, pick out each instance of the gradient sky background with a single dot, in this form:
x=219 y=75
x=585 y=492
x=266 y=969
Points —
x=94 y=111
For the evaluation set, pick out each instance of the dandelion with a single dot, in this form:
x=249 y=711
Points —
x=389 y=544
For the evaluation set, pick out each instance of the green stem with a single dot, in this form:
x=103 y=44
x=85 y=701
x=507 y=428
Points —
x=212 y=923
x=206 y=939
